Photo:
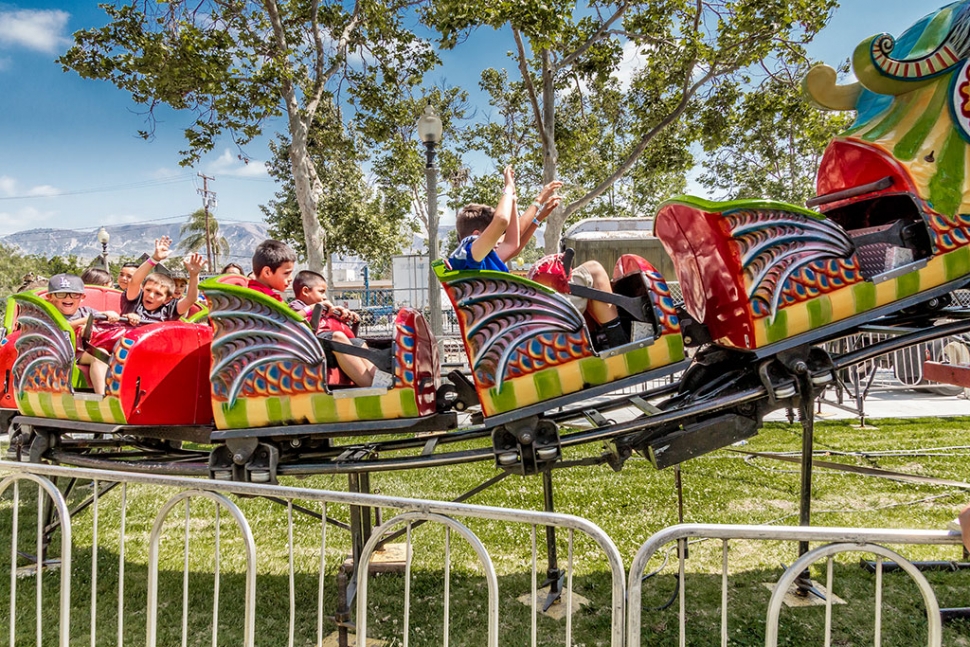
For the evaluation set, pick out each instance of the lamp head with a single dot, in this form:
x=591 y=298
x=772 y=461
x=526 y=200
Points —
x=429 y=126
x=103 y=236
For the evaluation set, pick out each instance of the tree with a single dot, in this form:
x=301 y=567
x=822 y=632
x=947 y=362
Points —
x=192 y=237
x=773 y=142
x=696 y=57
x=240 y=63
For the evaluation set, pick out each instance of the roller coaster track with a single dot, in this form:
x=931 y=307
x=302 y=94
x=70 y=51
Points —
x=732 y=389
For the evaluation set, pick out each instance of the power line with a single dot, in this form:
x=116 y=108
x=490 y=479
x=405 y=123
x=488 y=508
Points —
x=106 y=189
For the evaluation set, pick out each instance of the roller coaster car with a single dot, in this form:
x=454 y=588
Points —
x=155 y=383
x=270 y=377
x=99 y=298
x=895 y=222
x=530 y=349
x=762 y=275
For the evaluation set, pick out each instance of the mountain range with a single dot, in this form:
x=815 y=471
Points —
x=131 y=240
x=134 y=240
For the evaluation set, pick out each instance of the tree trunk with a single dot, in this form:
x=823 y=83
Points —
x=550 y=154
x=308 y=193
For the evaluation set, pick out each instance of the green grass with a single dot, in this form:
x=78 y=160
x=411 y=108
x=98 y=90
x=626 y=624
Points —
x=630 y=506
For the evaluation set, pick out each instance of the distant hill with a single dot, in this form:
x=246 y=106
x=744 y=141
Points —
x=131 y=240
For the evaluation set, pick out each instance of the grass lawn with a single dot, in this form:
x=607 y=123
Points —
x=630 y=506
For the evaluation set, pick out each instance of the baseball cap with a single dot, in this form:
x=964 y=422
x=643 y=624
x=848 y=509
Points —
x=65 y=283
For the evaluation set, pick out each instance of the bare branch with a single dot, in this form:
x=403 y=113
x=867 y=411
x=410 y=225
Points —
x=527 y=79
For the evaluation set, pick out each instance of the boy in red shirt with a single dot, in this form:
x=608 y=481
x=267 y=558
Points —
x=310 y=288
x=273 y=263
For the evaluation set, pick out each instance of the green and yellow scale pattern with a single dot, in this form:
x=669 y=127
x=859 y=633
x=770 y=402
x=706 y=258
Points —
x=315 y=408
x=65 y=406
x=860 y=297
x=579 y=374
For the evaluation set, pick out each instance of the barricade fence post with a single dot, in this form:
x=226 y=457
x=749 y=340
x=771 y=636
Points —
x=165 y=560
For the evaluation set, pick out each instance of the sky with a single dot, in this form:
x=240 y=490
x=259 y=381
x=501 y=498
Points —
x=70 y=156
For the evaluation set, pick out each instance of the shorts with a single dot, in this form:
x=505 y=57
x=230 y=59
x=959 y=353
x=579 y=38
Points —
x=580 y=276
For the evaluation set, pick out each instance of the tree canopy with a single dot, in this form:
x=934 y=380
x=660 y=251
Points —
x=237 y=64
x=193 y=237
x=771 y=144
x=584 y=124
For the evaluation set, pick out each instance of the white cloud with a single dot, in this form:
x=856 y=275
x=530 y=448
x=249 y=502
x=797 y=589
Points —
x=228 y=164
x=40 y=30
x=10 y=188
x=11 y=222
x=631 y=61
x=43 y=190
x=165 y=173
x=8 y=185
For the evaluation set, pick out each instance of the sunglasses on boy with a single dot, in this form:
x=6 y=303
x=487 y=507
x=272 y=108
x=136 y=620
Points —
x=64 y=295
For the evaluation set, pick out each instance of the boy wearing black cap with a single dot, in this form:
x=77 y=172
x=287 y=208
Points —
x=65 y=292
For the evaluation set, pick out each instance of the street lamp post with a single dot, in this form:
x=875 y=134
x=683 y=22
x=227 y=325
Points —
x=103 y=238
x=429 y=130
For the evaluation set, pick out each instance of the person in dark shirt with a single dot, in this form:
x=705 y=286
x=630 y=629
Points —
x=273 y=264
x=150 y=295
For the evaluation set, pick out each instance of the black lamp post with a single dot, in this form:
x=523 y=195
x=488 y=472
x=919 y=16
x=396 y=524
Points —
x=103 y=238
x=429 y=130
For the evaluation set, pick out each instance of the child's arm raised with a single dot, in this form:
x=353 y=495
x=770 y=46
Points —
x=489 y=238
x=160 y=254
x=545 y=203
x=194 y=265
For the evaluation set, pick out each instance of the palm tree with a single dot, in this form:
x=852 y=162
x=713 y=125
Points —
x=192 y=237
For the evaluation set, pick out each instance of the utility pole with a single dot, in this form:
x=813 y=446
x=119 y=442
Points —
x=208 y=197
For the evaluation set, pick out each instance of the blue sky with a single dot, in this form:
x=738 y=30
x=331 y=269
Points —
x=70 y=156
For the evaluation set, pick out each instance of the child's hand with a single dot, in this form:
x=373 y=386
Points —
x=548 y=207
x=133 y=318
x=111 y=316
x=162 y=249
x=509 y=175
x=194 y=264
x=547 y=191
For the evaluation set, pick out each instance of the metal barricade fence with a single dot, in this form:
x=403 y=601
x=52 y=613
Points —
x=236 y=561
x=837 y=541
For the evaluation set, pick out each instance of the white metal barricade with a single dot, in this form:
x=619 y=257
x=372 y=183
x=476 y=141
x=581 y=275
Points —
x=195 y=527
x=835 y=541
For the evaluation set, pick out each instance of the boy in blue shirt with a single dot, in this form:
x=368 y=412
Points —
x=490 y=237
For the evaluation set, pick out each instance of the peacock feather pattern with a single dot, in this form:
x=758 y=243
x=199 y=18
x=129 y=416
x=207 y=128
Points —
x=45 y=350
x=663 y=302
x=949 y=233
x=112 y=380
x=258 y=350
x=404 y=359
x=786 y=256
x=514 y=327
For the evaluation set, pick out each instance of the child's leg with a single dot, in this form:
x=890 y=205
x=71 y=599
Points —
x=358 y=369
x=99 y=371
x=601 y=312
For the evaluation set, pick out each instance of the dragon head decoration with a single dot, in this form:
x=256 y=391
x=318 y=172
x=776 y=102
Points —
x=912 y=100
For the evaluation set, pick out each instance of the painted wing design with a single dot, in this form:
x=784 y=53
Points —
x=514 y=327
x=776 y=244
x=259 y=348
x=45 y=348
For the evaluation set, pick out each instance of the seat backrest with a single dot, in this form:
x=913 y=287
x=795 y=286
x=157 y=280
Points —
x=233 y=279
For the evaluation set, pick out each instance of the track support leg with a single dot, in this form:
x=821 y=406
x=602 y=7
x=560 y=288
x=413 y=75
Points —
x=554 y=576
